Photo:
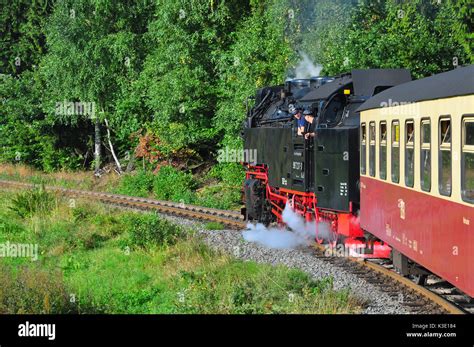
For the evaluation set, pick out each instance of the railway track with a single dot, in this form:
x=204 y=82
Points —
x=437 y=297
x=417 y=298
x=231 y=219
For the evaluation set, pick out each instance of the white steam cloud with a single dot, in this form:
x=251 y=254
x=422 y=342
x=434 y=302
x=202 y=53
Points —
x=297 y=233
x=306 y=68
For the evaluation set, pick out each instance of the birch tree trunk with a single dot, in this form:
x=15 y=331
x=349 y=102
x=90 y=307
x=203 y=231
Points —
x=117 y=162
x=97 y=145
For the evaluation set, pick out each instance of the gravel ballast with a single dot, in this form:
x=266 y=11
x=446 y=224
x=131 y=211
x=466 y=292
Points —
x=232 y=243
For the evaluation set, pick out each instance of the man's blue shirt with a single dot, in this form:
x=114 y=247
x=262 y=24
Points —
x=301 y=122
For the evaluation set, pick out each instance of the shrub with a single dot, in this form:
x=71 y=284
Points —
x=81 y=213
x=149 y=229
x=94 y=227
x=172 y=184
x=298 y=281
x=231 y=174
x=26 y=204
x=110 y=224
x=219 y=197
x=90 y=240
x=138 y=184
x=9 y=226
x=33 y=291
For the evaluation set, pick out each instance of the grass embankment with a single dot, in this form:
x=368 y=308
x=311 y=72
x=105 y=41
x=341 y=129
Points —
x=93 y=259
x=219 y=187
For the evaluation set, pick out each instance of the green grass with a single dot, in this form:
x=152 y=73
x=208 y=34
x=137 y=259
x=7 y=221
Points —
x=94 y=259
x=33 y=201
x=214 y=226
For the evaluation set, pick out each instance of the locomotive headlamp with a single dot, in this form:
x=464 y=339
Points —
x=347 y=91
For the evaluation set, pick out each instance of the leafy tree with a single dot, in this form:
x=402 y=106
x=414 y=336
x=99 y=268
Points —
x=464 y=27
x=180 y=77
x=385 y=34
x=25 y=136
x=95 y=50
x=23 y=42
x=173 y=76
x=324 y=30
x=259 y=56
x=19 y=124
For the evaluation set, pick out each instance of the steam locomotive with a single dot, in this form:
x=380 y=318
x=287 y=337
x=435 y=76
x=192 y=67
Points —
x=364 y=177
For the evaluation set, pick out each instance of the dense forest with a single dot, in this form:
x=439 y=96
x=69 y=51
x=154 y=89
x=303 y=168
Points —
x=161 y=84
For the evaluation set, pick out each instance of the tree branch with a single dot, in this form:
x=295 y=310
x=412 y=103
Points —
x=119 y=167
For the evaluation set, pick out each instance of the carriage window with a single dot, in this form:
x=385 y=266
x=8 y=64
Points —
x=445 y=156
x=467 y=172
x=363 y=149
x=372 y=149
x=383 y=150
x=425 y=159
x=409 y=153
x=395 y=158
